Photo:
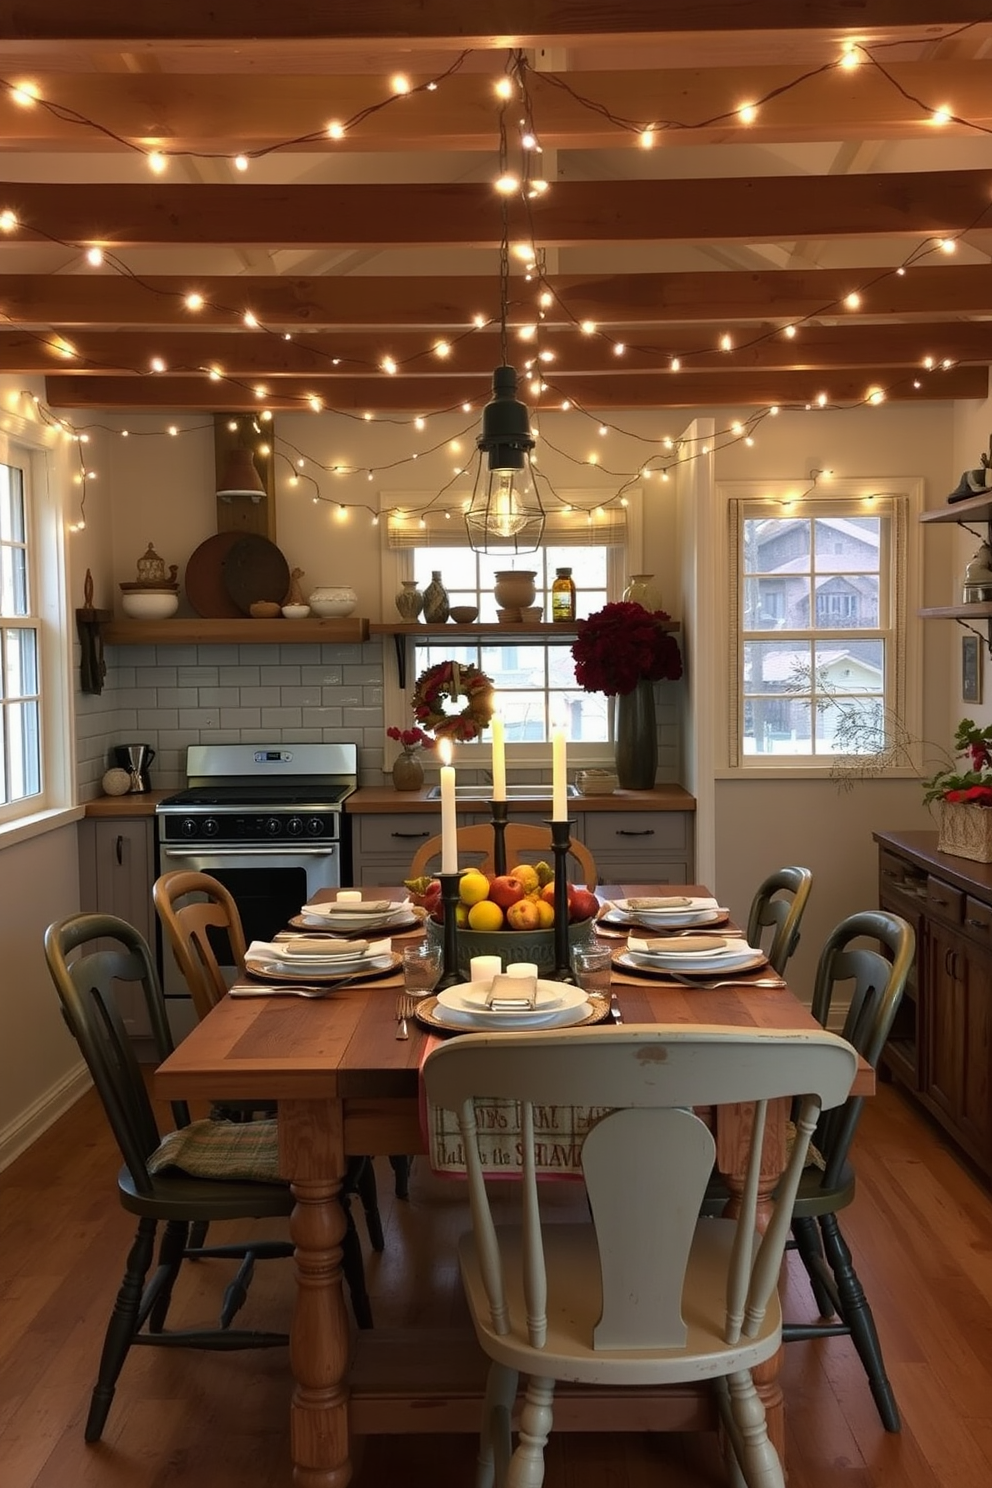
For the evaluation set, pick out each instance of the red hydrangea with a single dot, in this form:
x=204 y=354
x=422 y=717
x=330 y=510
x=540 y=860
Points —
x=621 y=644
x=410 y=737
x=977 y=795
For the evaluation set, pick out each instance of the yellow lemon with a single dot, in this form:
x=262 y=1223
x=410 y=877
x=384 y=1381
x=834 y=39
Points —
x=527 y=877
x=545 y=914
x=473 y=886
x=485 y=916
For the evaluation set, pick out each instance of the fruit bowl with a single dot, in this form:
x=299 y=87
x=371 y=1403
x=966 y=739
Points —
x=511 y=946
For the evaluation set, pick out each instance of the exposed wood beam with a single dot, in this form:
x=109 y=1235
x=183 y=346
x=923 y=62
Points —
x=251 y=354
x=450 y=303
x=755 y=209
x=203 y=112
x=746 y=388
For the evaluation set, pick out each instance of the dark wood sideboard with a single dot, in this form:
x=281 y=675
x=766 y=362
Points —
x=941 y=1046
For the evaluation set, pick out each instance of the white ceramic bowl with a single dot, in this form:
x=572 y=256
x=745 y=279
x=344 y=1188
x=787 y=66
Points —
x=296 y=612
x=334 y=600
x=150 y=604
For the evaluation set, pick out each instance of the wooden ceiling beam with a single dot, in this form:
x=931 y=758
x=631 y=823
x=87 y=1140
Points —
x=486 y=23
x=255 y=354
x=216 y=112
x=749 y=209
x=745 y=388
x=451 y=302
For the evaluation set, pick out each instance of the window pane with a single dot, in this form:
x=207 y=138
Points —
x=777 y=726
x=847 y=544
x=859 y=667
x=850 y=726
x=21 y=663
x=777 y=666
x=23 y=744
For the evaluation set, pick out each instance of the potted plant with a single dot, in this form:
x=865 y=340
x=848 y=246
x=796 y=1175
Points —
x=964 y=795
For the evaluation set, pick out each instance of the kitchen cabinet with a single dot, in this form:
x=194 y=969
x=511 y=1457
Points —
x=949 y=1068
x=116 y=872
x=382 y=846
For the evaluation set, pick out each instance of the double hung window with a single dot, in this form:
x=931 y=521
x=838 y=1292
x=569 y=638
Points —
x=20 y=669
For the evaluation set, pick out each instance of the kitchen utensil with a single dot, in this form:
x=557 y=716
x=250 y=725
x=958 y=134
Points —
x=296 y=990
x=135 y=759
x=616 y=1014
x=255 y=569
x=740 y=981
x=406 y=1007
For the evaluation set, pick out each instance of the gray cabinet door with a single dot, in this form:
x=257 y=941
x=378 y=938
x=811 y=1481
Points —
x=116 y=871
x=641 y=846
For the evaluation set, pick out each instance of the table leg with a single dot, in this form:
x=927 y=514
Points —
x=310 y=1143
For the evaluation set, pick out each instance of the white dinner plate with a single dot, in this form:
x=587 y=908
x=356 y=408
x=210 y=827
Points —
x=706 y=966
x=271 y=968
x=686 y=919
x=470 y=998
x=488 y=1022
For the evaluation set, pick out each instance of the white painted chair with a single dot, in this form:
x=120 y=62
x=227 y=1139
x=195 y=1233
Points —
x=646 y=1293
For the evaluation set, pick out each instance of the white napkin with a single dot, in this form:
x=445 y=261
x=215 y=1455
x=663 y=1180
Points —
x=348 y=950
x=735 y=946
x=370 y=910
x=661 y=906
x=512 y=994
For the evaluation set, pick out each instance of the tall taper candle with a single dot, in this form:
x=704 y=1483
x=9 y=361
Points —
x=499 y=759
x=559 y=807
x=449 y=825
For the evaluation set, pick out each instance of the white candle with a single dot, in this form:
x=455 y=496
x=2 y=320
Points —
x=559 y=808
x=449 y=824
x=349 y=896
x=499 y=759
x=484 y=968
x=522 y=969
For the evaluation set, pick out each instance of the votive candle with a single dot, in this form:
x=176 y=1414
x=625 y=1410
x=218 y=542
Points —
x=449 y=823
x=559 y=807
x=499 y=758
x=484 y=968
x=522 y=969
x=349 y=896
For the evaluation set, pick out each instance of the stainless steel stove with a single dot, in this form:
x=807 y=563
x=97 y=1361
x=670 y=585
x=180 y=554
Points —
x=267 y=821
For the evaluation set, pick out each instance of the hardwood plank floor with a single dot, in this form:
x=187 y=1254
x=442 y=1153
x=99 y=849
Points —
x=919 y=1230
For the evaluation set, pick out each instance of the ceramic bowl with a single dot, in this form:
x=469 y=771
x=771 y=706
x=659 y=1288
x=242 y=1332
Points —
x=511 y=946
x=508 y=617
x=296 y=612
x=532 y=614
x=149 y=604
x=264 y=609
x=464 y=614
x=333 y=601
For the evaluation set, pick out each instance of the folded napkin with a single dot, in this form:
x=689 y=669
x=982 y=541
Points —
x=732 y=946
x=672 y=902
x=365 y=907
x=304 y=945
x=512 y=993
x=330 y=950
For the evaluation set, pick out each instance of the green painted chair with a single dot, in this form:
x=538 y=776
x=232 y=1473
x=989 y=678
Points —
x=779 y=903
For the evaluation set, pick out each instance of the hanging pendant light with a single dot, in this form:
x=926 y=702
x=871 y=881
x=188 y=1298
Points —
x=505 y=512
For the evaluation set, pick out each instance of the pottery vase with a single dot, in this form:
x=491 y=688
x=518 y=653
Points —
x=408 y=772
x=435 y=600
x=514 y=588
x=409 y=601
x=642 y=590
x=636 y=748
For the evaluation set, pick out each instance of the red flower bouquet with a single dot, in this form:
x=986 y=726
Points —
x=620 y=645
x=971 y=786
x=410 y=738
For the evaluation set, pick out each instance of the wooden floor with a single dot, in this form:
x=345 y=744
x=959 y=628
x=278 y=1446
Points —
x=921 y=1232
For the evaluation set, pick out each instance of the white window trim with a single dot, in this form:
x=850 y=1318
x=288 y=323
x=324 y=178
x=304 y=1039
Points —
x=30 y=446
x=396 y=564
x=802 y=767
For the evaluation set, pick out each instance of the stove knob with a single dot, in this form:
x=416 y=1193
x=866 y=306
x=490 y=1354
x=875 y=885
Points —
x=189 y=827
x=210 y=826
x=315 y=826
x=294 y=827
x=272 y=826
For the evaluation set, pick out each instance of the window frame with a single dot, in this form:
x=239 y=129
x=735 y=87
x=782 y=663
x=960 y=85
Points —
x=900 y=583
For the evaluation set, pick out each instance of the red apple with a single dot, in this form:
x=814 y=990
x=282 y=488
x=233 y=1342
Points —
x=548 y=892
x=582 y=905
x=506 y=890
x=523 y=915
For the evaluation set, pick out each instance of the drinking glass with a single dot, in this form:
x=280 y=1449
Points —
x=591 y=965
x=421 y=968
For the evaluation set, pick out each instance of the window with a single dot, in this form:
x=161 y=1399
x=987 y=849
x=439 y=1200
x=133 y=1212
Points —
x=818 y=626
x=20 y=700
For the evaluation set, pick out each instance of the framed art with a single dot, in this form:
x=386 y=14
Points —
x=971 y=669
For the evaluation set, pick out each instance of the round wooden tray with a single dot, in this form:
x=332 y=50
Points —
x=255 y=569
x=204 y=578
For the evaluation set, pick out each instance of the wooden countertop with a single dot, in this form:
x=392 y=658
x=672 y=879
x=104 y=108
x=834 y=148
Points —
x=142 y=804
x=921 y=848
x=384 y=800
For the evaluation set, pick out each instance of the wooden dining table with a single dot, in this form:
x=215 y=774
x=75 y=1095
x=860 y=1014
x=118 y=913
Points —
x=344 y=1083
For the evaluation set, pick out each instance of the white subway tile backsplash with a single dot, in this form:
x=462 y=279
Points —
x=280 y=676
x=240 y=719
x=282 y=718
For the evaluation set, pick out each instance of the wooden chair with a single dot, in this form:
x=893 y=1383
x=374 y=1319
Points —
x=877 y=977
x=521 y=839
x=645 y=1293
x=86 y=992
x=202 y=924
x=779 y=903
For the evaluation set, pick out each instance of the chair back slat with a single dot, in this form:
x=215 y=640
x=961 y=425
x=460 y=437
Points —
x=779 y=903
x=190 y=905
x=645 y=1161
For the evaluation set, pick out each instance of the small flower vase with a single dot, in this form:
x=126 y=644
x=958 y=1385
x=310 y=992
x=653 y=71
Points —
x=636 y=737
x=409 y=601
x=435 y=600
x=408 y=772
x=643 y=591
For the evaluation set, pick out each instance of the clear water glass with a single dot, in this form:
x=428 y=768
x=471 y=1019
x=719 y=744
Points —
x=592 y=967
x=421 y=968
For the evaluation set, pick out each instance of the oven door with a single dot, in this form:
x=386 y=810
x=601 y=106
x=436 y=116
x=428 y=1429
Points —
x=268 y=884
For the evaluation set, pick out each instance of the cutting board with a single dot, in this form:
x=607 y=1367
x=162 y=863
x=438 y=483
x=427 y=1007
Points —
x=255 y=569
x=204 y=581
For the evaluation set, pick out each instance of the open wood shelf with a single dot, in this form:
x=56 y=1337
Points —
x=349 y=631
x=980 y=609
x=972 y=509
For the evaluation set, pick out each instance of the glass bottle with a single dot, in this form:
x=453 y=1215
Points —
x=563 y=595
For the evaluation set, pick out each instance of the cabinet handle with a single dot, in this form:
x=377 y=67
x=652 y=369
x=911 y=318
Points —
x=947 y=962
x=942 y=902
x=977 y=924
x=119 y=849
x=889 y=873
x=622 y=832
x=409 y=834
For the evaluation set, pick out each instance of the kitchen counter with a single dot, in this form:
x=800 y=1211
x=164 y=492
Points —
x=142 y=804
x=384 y=800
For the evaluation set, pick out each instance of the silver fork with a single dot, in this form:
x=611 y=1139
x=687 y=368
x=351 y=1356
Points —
x=406 y=1006
x=685 y=981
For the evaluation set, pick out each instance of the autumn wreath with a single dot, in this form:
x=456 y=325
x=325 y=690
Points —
x=453 y=680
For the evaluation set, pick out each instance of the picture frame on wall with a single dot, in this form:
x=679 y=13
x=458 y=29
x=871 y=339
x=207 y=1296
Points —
x=971 y=669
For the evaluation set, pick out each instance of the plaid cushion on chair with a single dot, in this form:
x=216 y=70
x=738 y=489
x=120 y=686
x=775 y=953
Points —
x=221 y=1149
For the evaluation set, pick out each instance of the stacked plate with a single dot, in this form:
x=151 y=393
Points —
x=464 y=1007
x=675 y=912
x=318 y=960
x=697 y=955
x=370 y=915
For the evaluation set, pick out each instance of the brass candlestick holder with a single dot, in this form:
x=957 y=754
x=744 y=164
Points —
x=450 y=975
x=498 y=812
x=561 y=840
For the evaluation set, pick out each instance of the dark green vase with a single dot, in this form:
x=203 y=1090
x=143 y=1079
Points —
x=636 y=738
